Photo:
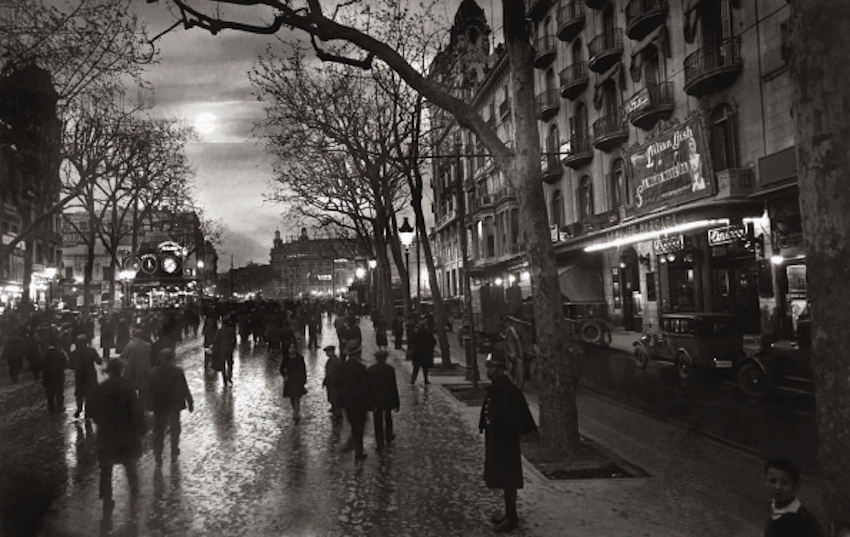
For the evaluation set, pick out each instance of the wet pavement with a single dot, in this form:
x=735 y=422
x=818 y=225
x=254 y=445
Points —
x=246 y=468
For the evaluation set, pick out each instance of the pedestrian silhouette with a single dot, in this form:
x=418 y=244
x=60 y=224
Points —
x=169 y=396
x=120 y=426
x=383 y=390
x=504 y=418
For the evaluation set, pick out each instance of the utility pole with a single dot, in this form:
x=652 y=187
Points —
x=232 y=291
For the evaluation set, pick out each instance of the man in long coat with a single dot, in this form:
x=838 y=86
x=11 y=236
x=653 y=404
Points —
x=120 y=428
x=14 y=351
x=169 y=396
x=383 y=390
x=53 y=377
x=422 y=343
x=504 y=418
x=83 y=359
x=136 y=359
x=354 y=399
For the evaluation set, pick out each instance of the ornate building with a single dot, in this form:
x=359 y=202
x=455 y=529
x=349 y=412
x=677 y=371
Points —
x=668 y=158
x=305 y=267
x=670 y=155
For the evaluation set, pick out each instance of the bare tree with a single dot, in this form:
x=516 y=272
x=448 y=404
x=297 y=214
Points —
x=820 y=73
x=520 y=164
x=88 y=48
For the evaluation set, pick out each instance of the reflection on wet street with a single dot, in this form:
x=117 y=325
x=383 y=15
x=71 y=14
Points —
x=246 y=468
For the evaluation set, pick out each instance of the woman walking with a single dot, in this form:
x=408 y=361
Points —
x=294 y=372
x=380 y=332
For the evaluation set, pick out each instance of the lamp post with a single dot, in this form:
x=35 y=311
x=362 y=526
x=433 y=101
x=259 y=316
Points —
x=405 y=234
x=200 y=278
x=127 y=276
x=50 y=273
x=373 y=302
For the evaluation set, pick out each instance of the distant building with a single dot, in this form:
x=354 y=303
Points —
x=315 y=267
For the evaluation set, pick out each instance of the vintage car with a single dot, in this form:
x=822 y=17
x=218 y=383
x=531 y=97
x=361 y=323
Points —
x=691 y=341
x=784 y=366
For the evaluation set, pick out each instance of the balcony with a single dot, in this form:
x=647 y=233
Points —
x=551 y=169
x=600 y=221
x=605 y=49
x=580 y=153
x=574 y=80
x=548 y=104
x=713 y=67
x=735 y=183
x=596 y=4
x=650 y=104
x=544 y=51
x=570 y=20
x=505 y=193
x=446 y=219
x=516 y=248
x=609 y=132
x=644 y=16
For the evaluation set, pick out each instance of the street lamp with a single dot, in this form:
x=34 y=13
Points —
x=127 y=276
x=405 y=234
x=200 y=278
x=50 y=273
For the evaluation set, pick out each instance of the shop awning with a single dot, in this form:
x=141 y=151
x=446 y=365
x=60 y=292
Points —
x=582 y=282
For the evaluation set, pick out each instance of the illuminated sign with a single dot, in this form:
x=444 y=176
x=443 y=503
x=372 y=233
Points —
x=169 y=246
x=671 y=169
x=726 y=235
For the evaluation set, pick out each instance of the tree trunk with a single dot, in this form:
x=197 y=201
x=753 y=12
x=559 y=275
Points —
x=436 y=297
x=557 y=380
x=820 y=72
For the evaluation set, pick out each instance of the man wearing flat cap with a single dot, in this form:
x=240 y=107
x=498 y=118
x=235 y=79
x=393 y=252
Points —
x=504 y=418
x=82 y=360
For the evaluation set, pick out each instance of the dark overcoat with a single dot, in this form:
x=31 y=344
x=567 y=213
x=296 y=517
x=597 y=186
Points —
x=504 y=417
x=55 y=364
x=423 y=342
x=223 y=346
x=168 y=389
x=14 y=351
x=294 y=372
x=352 y=386
x=331 y=381
x=120 y=421
x=382 y=386
x=83 y=359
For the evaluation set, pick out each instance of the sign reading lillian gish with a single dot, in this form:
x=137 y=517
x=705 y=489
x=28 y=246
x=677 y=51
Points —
x=671 y=168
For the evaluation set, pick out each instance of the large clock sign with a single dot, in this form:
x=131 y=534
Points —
x=170 y=264
x=149 y=263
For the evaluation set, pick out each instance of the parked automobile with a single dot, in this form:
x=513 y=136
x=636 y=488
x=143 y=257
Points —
x=691 y=341
x=784 y=366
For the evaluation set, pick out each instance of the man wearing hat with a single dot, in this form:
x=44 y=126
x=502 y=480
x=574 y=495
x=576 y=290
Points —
x=504 y=418
x=169 y=396
x=331 y=381
x=383 y=390
x=120 y=428
x=82 y=360
x=355 y=400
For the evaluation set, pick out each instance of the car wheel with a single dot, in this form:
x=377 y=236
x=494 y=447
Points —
x=591 y=333
x=641 y=359
x=753 y=381
x=684 y=366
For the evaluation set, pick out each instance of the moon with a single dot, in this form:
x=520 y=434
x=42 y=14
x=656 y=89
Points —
x=205 y=123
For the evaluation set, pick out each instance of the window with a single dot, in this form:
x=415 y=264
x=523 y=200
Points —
x=577 y=52
x=722 y=138
x=557 y=210
x=585 y=198
x=514 y=226
x=578 y=126
x=608 y=18
x=550 y=79
x=616 y=187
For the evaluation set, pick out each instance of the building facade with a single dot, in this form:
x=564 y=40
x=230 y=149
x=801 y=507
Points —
x=668 y=159
x=489 y=215
x=674 y=141
x=304 y=266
